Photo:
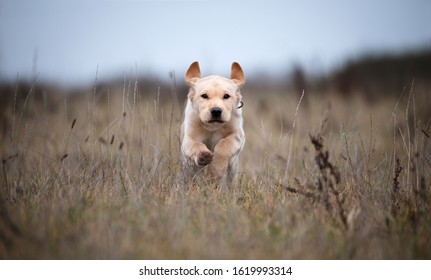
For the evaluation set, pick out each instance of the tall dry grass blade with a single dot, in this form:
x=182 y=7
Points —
x=24 y=106
x=109 y=132
x=286 y=174
x=353 y=169
x=93 y=115
x=124 y=93
x=12 y=134
x=174 y=90
x=409 y=138
x=416 y=141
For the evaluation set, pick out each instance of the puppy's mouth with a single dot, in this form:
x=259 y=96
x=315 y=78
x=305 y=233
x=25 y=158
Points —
x=215 y=121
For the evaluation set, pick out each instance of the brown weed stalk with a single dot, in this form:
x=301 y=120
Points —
x=328 y=181
x=396 y=189
x=326 y=190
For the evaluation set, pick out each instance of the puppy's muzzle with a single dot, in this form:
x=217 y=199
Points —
x=216 y=114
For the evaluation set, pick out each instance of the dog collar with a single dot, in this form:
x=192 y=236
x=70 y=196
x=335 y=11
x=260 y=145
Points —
x=240 y=105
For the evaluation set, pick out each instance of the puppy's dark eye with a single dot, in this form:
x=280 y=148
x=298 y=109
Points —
x=205 y=96
x=226 y=96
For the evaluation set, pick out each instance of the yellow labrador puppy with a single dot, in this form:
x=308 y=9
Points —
x=212 y=134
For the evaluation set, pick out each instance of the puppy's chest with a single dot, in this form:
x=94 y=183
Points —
x=211 y=141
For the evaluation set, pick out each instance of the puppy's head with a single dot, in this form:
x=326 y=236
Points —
x=215 y=99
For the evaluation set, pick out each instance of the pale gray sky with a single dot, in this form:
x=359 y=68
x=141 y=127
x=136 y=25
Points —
x=73 y=38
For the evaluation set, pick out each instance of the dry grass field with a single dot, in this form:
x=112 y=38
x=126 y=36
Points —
x=96 y=175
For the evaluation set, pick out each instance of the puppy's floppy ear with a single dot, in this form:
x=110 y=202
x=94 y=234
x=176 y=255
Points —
x=237 y=75
x=193 y=74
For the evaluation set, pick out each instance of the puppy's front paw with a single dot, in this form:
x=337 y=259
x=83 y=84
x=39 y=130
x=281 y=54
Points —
x=204 y=158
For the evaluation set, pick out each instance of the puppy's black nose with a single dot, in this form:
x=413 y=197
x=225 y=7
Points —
x=216 y=112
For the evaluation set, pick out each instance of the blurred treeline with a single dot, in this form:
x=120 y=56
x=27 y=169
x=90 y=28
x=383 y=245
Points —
x=374 y=77
x=383 y=76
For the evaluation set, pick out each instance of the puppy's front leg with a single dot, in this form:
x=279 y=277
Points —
x=197 y=152
x=223 y=151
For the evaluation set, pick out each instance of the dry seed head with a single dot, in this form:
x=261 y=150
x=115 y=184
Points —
x=64 y=156
x=73 y=124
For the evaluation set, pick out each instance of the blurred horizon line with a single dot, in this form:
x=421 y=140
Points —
x=276 y=75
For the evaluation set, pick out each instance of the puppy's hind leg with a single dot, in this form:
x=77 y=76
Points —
x=232 y=171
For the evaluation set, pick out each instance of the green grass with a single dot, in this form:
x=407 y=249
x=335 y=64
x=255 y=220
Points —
x=109 y=186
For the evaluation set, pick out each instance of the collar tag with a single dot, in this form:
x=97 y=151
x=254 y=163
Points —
x=240 y=105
